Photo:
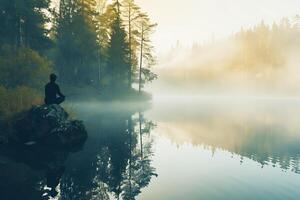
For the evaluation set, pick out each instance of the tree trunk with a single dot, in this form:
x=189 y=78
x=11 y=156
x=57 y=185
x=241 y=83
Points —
x=141 y=59
x=99 y=68
x=130 y=47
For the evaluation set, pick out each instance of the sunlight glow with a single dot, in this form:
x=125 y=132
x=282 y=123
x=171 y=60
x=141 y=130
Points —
x=203 y=20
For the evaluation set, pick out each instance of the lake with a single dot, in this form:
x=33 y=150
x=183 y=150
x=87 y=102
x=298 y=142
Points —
x=178 y=148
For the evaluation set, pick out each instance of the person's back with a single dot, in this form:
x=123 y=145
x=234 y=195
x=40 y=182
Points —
x=52 y=92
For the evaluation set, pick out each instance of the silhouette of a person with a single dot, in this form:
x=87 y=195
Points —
x=52 y=92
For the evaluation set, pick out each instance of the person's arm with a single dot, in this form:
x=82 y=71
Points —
x=59 y=93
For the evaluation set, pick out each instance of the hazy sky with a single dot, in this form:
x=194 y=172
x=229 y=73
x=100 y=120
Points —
x=201 y=20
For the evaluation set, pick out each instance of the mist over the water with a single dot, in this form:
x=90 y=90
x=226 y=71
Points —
x=262 y=61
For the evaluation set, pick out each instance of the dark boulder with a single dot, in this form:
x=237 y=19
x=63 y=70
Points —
x=39 y=141
x=49 y=124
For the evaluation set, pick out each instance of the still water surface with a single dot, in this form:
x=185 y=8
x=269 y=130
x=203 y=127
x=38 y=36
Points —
x=190 y=149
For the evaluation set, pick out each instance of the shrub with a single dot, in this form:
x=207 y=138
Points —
x=16 y=100
x=22 y=67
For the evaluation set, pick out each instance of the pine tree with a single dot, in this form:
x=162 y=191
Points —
x=147 y=59
x=101 y=32
x=131 y=15
x=77 y=41
x=118 y=64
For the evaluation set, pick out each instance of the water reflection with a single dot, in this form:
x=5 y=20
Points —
x=115 y=163
x=267 y=132
x=118 y=158
x=31 y=172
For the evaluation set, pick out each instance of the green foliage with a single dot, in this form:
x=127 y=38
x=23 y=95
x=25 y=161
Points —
x=23 y=41
x=99 y=43
x=22 y=67
x=17 y=100
x=131 y=14
x=77 y=47
x=147 y=76
x=127 y=42
x=118 y=64
x=147 y=59
x=104 y=21
x=90 y=43
x=23 y=74
x=23 y=23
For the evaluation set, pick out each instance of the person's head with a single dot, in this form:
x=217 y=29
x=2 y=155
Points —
x=53 y=78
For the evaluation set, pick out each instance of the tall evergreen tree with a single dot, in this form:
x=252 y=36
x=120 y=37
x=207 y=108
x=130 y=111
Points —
x=77 y=41
x=147 y=59
x=118 y=64
x=101 y=32
x=131 y=15
x=104 y=21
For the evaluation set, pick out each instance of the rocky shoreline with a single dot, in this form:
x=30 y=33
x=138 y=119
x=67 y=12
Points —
x=46 y=124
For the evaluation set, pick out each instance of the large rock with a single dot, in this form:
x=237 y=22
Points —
x=39 y=143
x=49 y=124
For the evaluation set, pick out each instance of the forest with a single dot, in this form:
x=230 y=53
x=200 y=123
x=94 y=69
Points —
x=263 y=57
x=88 y=43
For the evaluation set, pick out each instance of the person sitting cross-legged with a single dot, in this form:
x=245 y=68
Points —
x=52 y=92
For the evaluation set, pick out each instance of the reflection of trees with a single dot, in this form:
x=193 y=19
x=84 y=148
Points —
x=274 y=147
x=266 y=136
x=271 y=148
x=139 y=171
x=115 y=163
x=29 y=169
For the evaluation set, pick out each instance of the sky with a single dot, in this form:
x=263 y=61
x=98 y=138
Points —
x=191 y=21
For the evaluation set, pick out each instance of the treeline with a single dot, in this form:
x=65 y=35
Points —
x=258 y=54
x=103 y=44
x=266 y=45
x=87 y=42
